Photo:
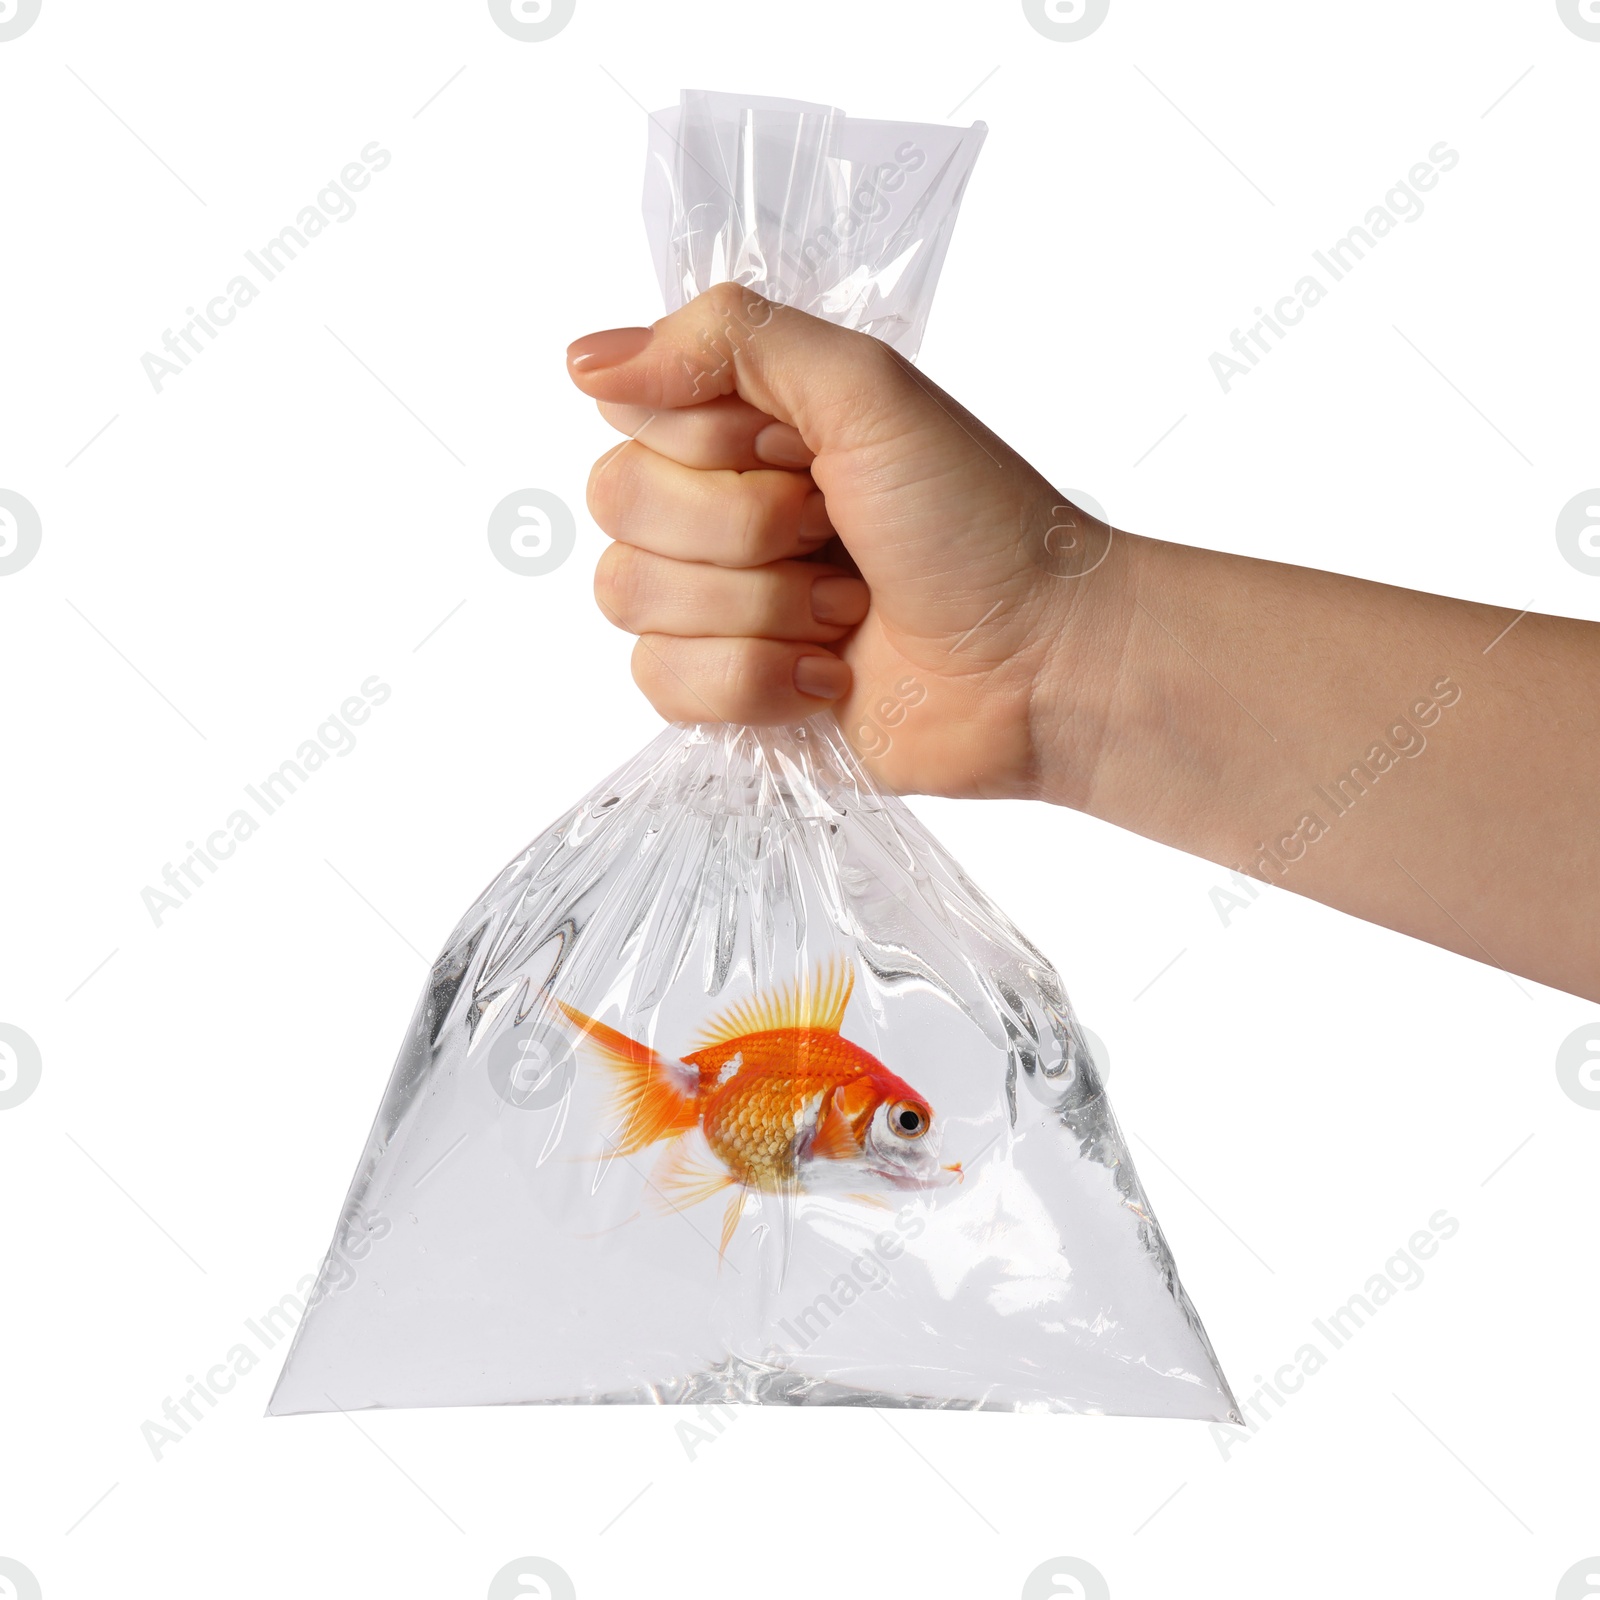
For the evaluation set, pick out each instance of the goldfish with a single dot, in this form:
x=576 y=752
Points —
x=780 y=1095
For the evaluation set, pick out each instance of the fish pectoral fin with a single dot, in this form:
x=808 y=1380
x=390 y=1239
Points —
x=836 y=1138
x=651 y=1098
x=687 y=1174
x=816 y=1002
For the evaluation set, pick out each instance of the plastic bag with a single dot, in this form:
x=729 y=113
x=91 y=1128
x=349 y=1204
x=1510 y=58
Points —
x=731 y=1086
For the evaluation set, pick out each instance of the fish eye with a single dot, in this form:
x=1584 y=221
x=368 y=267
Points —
x=908 y=1119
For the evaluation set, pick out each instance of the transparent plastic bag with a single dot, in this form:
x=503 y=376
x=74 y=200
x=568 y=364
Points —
x=731 y=1086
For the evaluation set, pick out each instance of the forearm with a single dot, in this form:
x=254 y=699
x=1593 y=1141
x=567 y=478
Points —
x=1421 y=762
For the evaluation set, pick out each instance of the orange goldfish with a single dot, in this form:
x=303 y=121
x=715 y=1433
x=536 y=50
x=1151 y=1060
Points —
x=776 y=1090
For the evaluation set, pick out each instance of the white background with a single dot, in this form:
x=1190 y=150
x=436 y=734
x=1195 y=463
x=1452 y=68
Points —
x=228 y=560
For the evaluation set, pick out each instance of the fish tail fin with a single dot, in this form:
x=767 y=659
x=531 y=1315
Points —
x=650 y=1100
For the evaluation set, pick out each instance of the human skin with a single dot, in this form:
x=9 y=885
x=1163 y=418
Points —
x=802 y=520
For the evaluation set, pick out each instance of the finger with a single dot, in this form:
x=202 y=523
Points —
x=797 y=368
x=800 y=601
x=725 y=432
x=731 y=519
x=737 y=680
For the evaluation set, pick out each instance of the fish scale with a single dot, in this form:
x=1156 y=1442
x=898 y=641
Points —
x=757 y=1119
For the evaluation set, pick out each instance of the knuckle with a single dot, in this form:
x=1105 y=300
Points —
x=649 y=679
x=617 y=580
x=661 y=686
x=607 y=492
x=726 y=317
x=878 y=373
x=882 y=366
x=640 y=665
x=725 y=300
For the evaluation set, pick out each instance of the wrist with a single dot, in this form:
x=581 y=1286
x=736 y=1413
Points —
x=1088 y=697
x=1135 y=721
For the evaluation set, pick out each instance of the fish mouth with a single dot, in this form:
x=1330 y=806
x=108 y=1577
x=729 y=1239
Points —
x=936 y=1179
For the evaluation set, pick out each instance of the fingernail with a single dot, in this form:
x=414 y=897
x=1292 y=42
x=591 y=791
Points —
x=779 y=445
x=839 y=600
x=608 y=348
x=814 y=526
x=825 y=677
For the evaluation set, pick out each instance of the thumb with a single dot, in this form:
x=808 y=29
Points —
x=796 y=368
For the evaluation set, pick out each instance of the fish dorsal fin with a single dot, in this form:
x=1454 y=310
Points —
x=816 y=1001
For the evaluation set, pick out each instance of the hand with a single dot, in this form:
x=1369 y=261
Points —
x=803 y=520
